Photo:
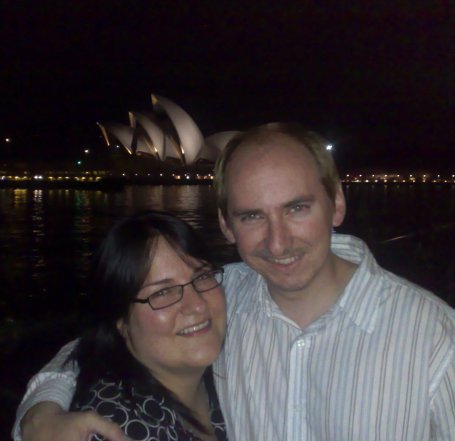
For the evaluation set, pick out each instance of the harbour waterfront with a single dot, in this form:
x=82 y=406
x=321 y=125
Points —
x=47 y=237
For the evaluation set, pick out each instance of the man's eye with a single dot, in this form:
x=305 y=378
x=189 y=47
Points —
x=249 y=217
x=299 y=207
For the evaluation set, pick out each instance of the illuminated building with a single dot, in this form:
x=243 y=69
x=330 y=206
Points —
x=168 y=132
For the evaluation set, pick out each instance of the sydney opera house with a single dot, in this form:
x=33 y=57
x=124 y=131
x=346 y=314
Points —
x=162 y=146
x=166 y=134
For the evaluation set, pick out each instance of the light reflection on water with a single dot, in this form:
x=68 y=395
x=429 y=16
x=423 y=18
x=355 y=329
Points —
x=48 y=236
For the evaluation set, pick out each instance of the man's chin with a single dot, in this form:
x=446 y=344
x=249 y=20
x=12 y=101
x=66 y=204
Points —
x=286 y=288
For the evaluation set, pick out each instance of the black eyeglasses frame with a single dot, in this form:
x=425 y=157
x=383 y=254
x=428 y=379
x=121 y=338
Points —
x=215 y=271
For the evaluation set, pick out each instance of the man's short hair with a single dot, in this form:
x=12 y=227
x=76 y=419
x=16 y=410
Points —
x=313 y=142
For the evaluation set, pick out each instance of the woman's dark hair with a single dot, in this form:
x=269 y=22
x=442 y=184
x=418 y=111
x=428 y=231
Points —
x=119 y=271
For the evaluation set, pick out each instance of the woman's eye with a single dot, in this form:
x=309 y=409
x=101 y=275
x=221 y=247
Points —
x=160 y=293
x=204 y=276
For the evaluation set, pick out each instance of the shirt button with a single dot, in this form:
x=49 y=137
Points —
x=301 y=343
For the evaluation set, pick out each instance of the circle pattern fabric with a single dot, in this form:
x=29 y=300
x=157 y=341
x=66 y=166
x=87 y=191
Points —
x=147 y=418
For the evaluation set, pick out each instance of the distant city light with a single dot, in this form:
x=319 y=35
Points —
x=8 y=140
x=83 y=173
x=329 y=147
x=87 y=151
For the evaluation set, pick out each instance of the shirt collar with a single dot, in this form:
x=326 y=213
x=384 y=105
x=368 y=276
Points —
x=360 y=298
x=364 y=292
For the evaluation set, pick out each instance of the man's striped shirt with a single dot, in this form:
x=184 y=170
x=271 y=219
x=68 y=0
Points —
x=380 y=365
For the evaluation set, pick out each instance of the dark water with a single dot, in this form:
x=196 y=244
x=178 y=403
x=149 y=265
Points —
x=47 y=238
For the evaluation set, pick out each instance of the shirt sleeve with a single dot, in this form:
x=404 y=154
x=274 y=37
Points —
x=55 y=382
x=443 y=405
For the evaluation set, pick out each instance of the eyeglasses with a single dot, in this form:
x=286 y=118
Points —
x=169 y=296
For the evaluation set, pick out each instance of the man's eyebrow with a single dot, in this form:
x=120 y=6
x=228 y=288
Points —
x=299 y=200
x=239 y=213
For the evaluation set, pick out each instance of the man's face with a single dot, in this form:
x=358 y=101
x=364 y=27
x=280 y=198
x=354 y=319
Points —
x=280 y=215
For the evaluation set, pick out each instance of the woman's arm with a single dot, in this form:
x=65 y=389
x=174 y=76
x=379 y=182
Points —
x=48 y=422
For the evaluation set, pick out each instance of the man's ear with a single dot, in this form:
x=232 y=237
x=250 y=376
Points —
x=340 y=207
x=224 y=226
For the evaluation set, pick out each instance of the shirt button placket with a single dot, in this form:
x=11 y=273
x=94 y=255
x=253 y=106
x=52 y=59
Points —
x=296 y=421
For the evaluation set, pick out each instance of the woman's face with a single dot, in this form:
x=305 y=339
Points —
x=185 y=337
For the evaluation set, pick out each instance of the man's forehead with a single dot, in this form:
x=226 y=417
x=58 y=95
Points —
x=269 y=140
x=259 y=149
x=279 y=147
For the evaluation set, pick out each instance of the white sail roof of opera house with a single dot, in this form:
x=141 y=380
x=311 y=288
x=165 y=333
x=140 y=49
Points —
x=120 y=132
x=152 y=130
x=167 y=132
x=190 y=137
x=215 y=143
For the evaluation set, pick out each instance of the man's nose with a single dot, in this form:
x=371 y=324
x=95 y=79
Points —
x=279 y=238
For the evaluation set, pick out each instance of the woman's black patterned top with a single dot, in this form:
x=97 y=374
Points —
x=145 y=418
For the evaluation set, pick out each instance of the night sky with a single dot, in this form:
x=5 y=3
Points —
x=376 y=78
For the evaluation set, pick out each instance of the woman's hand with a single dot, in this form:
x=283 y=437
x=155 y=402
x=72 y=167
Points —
x=48 y=422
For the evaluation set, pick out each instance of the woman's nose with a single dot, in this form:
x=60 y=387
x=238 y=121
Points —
x=192 y=300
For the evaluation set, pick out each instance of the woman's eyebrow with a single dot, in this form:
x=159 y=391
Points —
x=203 y=266
x=156 y=283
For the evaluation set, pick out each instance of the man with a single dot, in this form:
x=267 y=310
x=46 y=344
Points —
x=322 y=343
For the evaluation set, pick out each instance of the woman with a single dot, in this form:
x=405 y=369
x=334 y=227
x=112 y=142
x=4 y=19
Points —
x=159 y=323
